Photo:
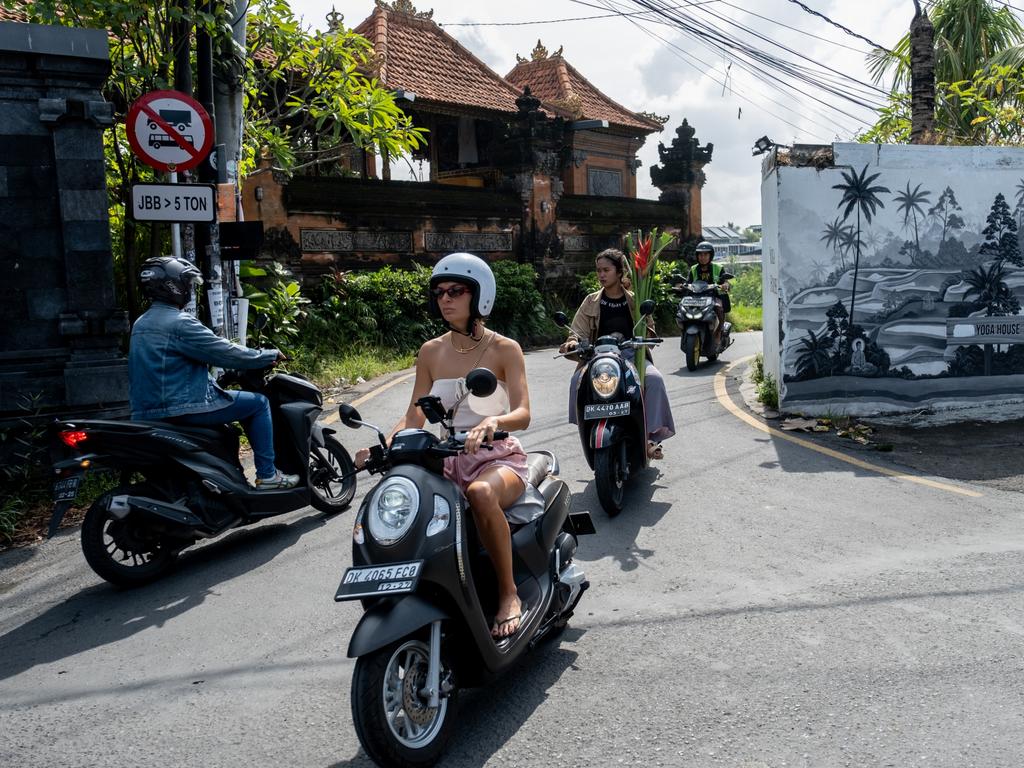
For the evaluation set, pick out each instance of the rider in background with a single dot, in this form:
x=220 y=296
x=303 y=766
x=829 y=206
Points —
x=711 y=273
x=610 y=310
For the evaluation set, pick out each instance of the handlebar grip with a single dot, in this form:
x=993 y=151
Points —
x=655 y=340
x=500 y=434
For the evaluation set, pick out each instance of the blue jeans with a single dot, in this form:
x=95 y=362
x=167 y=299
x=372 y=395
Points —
x=253 y=410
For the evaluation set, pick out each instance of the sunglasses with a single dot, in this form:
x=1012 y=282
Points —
x=453 y=293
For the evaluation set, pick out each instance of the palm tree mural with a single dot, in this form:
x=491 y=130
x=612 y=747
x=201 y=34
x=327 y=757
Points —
x=832 y=236
x=819 y=269
x=911 y=205
x=1019 y=210
x=860 y=195
x=989 y=285
x=814 y=356
x=991 y=289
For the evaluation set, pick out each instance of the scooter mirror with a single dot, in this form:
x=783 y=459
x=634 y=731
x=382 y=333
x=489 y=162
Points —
x=349 y=416
x=262 y=318
x=647 y=307
x=726 y=276
x=561 y=320
x=676 y=278
x=481 y=382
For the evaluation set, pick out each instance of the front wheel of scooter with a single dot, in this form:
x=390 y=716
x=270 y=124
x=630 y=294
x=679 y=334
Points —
x=608 y=477
x=691 y=349
x=394 y=722
x=331 y=491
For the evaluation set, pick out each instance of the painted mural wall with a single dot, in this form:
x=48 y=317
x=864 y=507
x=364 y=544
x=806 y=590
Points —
x=898 y=279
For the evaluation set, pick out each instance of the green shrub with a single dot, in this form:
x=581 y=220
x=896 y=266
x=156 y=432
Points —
x=757 y=368
x=746 y=288
x=768 y=391
x=519 y=310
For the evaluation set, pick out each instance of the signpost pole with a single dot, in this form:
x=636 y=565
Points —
x=175 y=226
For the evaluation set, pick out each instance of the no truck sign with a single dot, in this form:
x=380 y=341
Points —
x=169 y=131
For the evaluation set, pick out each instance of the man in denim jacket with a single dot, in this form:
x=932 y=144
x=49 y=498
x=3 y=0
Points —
x=169 y=375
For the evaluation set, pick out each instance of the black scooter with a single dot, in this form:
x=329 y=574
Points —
x=610 y=410
x=183 y=483
x=429 y=590
x=698 y=320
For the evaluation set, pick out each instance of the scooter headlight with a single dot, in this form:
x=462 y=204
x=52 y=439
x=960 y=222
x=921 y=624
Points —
x=604 y=378
x=392 y=510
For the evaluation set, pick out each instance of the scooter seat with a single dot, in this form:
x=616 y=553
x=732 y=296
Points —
x=527 y=507
x=530 y=505
x=540 y=464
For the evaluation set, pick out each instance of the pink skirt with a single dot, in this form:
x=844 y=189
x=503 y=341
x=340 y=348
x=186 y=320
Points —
x=467 y=467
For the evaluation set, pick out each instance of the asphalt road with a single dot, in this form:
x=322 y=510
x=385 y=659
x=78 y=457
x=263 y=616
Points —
x=757 y=604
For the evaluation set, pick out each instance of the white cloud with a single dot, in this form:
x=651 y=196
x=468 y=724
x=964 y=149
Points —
x=644 y=74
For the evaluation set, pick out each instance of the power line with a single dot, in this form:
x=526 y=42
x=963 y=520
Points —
x=793 y=29
x=553 y=21
x=709 y=33
x=840 y=26
x=707 y=70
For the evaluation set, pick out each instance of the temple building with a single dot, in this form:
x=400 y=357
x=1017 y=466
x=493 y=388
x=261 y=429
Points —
x=466 y=105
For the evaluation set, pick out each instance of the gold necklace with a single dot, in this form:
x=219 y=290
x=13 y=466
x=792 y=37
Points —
x=459 y=349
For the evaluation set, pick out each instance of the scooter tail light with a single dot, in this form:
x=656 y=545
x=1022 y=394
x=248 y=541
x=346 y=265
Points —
x=72 y=437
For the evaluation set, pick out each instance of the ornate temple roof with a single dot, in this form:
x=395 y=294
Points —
x=555 y=81
x=415 y=54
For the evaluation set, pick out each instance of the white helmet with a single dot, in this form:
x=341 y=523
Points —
x=474 y=272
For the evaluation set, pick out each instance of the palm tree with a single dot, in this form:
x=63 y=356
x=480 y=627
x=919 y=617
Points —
x=989 y=285
x=859 y=195
x=814 y=356
x=832 y=237
x=969 y=35
x=818 y=271
x=1019 y=210
x=910 y=205
x=994 y=293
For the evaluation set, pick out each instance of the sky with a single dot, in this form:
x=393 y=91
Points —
x=679 y=77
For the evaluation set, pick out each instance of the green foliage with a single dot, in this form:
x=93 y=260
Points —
x=757 y=368
x=746 y=288
x=519 y=310
x=308 y=97
x=23 y=456
x=280 y=298
x=768 y=391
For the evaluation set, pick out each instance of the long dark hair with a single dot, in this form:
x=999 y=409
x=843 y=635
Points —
x=618 y=260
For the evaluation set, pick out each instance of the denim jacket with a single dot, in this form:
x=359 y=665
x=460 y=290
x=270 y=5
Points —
x=169 y=359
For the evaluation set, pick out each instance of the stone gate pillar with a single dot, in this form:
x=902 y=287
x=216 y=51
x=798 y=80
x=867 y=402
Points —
x=680 y=177
x=60 y=326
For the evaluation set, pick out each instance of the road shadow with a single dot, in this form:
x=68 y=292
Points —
x=103 y=614
x=616 y=536
x=489 y=717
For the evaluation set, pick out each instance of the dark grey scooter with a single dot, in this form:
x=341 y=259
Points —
x=428 y=588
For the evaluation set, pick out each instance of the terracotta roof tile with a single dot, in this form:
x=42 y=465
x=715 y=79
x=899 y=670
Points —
x=7 y=14
x=418 y=56
x=554 y=80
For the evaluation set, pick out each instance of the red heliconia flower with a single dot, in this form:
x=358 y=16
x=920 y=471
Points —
x=643 y=253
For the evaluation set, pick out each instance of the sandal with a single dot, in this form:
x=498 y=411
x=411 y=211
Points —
x=498 y=624
x=654 y=451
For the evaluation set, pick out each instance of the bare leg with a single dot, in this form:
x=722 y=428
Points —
x=488 y=495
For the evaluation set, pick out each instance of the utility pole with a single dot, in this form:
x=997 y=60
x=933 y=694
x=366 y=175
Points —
x=208 y=236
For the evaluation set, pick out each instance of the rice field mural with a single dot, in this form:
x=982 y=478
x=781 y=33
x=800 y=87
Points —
x=900 y=273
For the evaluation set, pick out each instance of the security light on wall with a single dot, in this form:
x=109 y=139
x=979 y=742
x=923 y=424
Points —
x=762 y=145
x=407 y=95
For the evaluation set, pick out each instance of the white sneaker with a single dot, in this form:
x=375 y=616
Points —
x=278 y=482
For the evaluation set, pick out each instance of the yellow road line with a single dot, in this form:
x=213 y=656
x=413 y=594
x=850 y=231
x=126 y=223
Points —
x=722 y=393
x=333 y=416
